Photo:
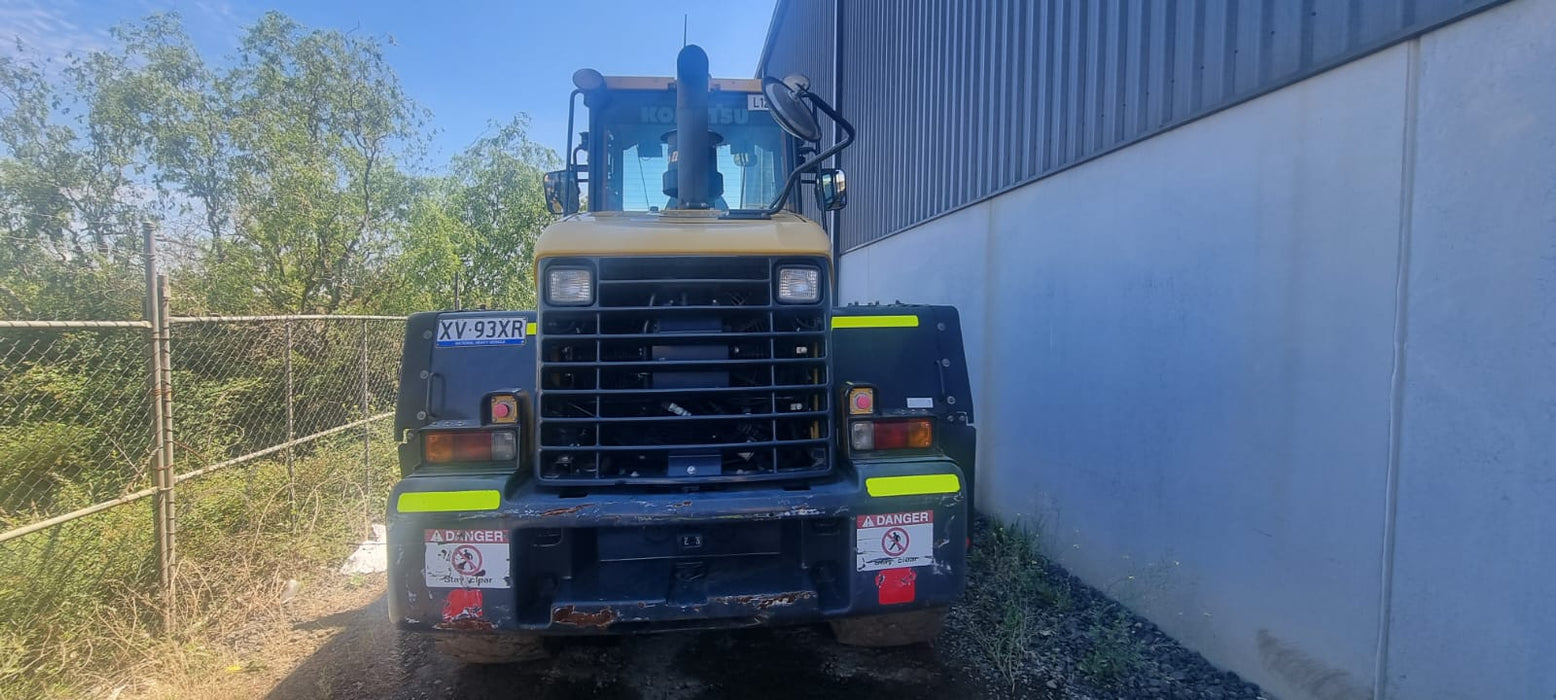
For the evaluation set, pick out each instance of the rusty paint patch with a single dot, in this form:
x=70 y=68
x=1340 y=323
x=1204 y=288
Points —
x=572 y=617
x=566 y=511
x=465 y=625
x=763 y=601
x=462 y=611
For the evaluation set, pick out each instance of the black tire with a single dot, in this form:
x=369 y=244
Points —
x=491 y=648
x=890 y=630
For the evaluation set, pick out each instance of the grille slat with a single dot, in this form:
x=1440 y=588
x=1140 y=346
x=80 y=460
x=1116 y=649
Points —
x=675 y=390
x=731 y=417
x=709 y=446
x=694 y=337
x=685 y=371
x=696 y=363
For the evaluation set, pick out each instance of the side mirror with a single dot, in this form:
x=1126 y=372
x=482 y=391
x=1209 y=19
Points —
x=789 y=109
x=561 y=192
x=831 y=189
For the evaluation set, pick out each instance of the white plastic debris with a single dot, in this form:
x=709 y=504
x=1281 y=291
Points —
x=371 y=557
x=289 y=591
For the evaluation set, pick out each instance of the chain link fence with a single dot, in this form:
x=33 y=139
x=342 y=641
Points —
x=75 y=418
x=151 y=467
x=77 y=430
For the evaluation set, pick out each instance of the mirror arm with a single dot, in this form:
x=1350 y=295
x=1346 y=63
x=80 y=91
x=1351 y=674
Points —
x=814 y=163
x=572 y=104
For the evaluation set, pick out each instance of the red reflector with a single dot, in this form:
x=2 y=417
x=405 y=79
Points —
x=895 y=586
x=472 y=447
x=903 y=434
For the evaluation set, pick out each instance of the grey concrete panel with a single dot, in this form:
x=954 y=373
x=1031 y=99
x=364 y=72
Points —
x=1473 y=609
x=1186 y=349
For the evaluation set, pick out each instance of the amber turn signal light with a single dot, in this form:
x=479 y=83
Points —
x=444 y=446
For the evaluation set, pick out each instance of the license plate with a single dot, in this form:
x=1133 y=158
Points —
x=480 y=330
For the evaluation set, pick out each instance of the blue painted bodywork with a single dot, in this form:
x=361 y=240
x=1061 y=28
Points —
x=615 y=560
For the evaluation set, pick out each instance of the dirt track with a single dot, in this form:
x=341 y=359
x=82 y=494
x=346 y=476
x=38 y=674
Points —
x=365 y=659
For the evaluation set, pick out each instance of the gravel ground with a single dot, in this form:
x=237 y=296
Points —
x=1065 y=639
x=1024 y=629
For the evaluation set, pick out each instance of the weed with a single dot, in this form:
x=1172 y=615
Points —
x=1114 y=652
x=1009 y=578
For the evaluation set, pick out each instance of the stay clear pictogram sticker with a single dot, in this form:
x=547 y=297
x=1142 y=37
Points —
x=894 y=540
x=466 y=560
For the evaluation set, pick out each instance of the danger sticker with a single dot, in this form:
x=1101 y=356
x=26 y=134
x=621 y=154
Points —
x=466 y=558
x=894 y=540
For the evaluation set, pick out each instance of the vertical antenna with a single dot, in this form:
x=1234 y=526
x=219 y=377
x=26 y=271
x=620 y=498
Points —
x=684 y=22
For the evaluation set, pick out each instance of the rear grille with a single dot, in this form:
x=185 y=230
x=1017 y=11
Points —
x=685 y=370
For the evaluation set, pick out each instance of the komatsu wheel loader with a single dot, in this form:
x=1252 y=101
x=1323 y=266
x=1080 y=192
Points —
x=687 y=432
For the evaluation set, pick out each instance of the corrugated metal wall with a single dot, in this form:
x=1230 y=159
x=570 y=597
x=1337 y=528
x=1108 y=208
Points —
x=960 y=99
x=800 y=40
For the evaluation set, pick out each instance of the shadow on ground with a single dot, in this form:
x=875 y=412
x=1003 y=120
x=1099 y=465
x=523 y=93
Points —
x=368 y=659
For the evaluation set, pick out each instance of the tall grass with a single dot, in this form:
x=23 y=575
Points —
x=81 y=603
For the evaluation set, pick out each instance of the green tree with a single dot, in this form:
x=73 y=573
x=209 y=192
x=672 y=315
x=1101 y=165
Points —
x=476 y=227
x=157 y=96
x=69 y=210
x=320 y=117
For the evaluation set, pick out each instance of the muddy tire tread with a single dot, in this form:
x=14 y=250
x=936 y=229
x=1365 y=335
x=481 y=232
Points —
x=890 y=630
x=481 y=649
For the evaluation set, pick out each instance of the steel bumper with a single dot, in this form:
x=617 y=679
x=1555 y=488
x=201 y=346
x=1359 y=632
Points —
x=494 y=553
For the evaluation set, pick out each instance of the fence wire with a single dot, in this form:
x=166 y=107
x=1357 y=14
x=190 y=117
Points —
x=76 y=403
x=245 y=385
x=282 y=453
x=75 y=420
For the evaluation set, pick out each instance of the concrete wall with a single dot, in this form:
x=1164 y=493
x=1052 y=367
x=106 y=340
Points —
x=1284 y=379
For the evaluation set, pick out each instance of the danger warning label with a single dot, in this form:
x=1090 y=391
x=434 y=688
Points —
x=466 y=558
x=886 y=519
x=477 y=536
x=894 y=540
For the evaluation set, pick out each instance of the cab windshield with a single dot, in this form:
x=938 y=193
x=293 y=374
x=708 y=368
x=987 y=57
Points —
x=752 y=156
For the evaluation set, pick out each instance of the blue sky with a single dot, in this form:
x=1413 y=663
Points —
x=471 y=63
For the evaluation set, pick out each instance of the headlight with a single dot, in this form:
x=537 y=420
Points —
x=570 y=286
x=799 y=285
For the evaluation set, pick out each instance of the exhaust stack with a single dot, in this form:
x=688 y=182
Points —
x=694 y=146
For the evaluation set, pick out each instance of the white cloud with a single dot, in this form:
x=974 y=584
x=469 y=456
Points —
x=47 y=30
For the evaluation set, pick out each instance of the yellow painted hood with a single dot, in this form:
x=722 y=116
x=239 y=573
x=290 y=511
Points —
x=600 y=234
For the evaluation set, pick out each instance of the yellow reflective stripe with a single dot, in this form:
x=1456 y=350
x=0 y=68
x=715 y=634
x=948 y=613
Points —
x=529 y=329
x=915 y=485
x=444 y=501
x=908 y=321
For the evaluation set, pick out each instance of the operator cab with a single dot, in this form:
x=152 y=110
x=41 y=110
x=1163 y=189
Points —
x=744 y=145
x=637 y=136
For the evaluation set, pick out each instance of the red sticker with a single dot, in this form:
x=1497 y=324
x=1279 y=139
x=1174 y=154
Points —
x=895 y=586
x=462 y=604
